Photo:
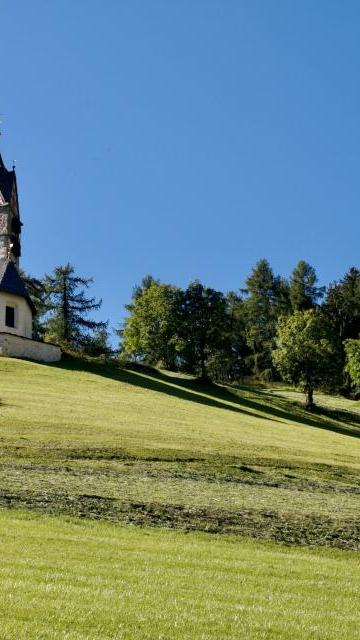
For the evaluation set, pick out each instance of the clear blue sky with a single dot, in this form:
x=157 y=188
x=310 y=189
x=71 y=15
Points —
x=183 y=138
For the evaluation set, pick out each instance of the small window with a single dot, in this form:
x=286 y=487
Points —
x=10 y=316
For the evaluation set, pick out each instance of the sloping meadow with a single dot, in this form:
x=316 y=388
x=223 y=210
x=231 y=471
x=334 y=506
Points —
x=93 y=440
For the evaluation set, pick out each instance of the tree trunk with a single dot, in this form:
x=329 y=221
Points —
x=309 y=403
x=203 y=368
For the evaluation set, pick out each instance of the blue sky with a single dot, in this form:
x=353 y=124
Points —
x=183 y=138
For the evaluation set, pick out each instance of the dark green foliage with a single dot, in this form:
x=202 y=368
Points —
x=97 y=344
x=68 y=307
x=36 y=290
x=232 y=363
x=267 y=299
x=204 y=328
x=304 y=294
x=307 y=353
x=342 y=305
x=225 y=338
x=177 y=329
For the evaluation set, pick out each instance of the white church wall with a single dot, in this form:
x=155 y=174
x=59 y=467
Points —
x=23 y=315
x=19 y=347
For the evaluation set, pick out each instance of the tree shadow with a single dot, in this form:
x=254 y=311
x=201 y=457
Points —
x=263 y=405
x=153 y=380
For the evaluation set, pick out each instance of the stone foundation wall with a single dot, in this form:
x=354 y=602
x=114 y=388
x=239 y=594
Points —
x=18 y=347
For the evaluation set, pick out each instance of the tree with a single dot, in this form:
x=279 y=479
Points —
x=266 y=300
x=342 y=305
x=97 y=344
x=150 y=331
x=231 y=362
x=68 y=307
x=36 y=290
x=307 y=354
x=352 y=349
x=146 y=283
x=304 y=294
x=203 y=327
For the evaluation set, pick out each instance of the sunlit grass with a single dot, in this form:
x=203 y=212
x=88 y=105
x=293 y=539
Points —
x=77 y=580
x=147 y=448
x=65 y=404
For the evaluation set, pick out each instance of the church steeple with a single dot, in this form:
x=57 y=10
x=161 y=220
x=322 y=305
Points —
x=16 y=306
x=10 y=225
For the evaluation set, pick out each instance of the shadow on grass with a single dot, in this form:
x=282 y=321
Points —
x=264 y=405
x=150 y=379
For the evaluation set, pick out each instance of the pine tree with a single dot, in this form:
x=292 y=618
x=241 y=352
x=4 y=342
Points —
x=342 y=304
x=68 y=308
x=261 y=314
x=304 y=294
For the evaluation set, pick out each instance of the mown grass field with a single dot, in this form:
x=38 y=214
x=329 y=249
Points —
x=73 y=579
x=136 y=454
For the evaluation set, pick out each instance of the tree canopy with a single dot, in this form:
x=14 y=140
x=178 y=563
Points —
x=307 y=354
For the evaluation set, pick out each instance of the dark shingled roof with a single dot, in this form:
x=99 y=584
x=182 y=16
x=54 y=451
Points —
x=11 y=282
x=7 y=180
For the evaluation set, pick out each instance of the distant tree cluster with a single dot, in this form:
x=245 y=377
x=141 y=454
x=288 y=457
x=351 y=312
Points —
x=275 y=328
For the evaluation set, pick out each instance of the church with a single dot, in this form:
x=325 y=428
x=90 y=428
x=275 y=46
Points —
x=16 y=307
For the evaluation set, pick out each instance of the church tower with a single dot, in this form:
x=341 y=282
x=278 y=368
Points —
x=10 y=224
x=16 y=307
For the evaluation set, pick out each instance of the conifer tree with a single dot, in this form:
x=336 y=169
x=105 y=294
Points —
x=261 y=314
x=342 y=304
x=68 y=308
x=304 y=294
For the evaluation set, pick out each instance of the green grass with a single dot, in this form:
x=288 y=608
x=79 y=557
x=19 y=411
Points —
x=78 y=580
x=111 y=482
x=93 y=440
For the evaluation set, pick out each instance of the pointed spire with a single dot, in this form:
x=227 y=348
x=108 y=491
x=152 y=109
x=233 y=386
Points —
x=7 y=180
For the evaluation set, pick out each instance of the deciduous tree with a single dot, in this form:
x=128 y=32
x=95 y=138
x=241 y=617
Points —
x=150 y=331
x=203 y=327
x=307 y=354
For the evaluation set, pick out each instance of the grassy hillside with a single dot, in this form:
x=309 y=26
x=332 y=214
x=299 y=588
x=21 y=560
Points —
x=148 y=448
x=122 y=448
x=62 y=578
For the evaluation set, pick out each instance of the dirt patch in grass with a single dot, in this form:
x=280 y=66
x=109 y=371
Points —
x=289 y=528
x=215 y=493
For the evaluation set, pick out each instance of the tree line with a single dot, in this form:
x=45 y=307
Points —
x=274 y=328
